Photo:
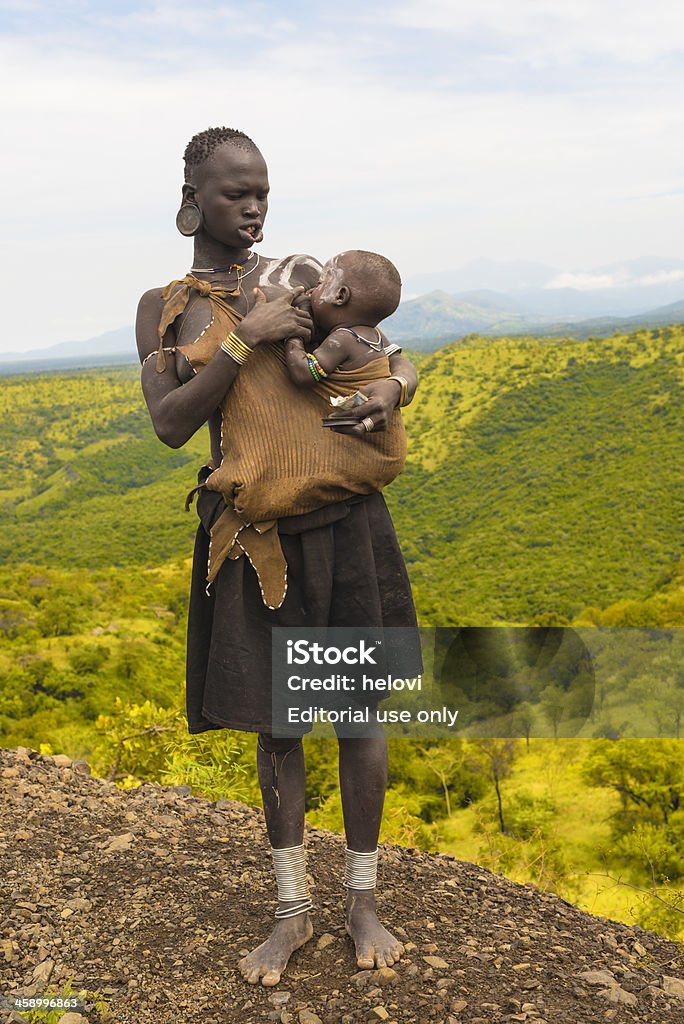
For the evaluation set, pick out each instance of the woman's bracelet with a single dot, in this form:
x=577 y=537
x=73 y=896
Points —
x=236 y=348
x=403 y=384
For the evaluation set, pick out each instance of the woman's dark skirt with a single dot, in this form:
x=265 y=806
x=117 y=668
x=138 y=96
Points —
x=345 y=568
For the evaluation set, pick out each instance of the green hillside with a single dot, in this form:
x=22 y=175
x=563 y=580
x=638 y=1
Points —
x=91 y=485
x=544 y=479
x=543 y=475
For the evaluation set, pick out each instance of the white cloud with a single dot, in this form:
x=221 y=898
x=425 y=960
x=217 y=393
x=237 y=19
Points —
x=663 y=277
x=558 y=30
x=589 y=282
x=360 y=157
x=586 y=282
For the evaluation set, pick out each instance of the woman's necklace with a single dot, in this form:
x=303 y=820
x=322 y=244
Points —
x=237 y=267
x=229 y=266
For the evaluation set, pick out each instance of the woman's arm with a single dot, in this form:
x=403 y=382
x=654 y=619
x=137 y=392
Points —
x=178 y=410
x=383 y=397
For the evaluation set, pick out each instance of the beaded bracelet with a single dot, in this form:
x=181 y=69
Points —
x=236 y=348
x=315 y=368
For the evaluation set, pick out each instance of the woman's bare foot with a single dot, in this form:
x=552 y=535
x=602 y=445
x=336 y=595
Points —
x=375 y=946
x=267 y=962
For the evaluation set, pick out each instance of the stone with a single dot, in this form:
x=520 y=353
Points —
x=598 y=978
x=62 y=761
x=72 y=1018
x=325 y=940
x=458 y=1004
x=43 y=971
x=674 y=987
x=381 y=1013
x=82 y=767
x=78 y=903
x=615 y=994
x=361 y=978
x=436 y=962
x=307 y=1016
x=279 y=998
x=386 y=976
x=116 y=844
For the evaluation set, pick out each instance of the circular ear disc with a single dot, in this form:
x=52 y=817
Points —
x=189 y=219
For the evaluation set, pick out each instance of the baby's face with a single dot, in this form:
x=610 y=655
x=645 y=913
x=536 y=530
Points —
x=322 y=296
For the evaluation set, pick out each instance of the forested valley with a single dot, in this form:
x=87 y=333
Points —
x=544 y=489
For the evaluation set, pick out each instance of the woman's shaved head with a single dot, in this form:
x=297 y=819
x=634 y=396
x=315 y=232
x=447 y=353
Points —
x=204 y=144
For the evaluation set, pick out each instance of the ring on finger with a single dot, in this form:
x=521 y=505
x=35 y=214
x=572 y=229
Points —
x=368 y=423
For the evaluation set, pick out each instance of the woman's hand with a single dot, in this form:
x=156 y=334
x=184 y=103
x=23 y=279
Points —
x=275 y=320
x=383 y=397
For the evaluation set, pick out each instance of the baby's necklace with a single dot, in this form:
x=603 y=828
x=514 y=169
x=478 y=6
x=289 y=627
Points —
x=376 y=345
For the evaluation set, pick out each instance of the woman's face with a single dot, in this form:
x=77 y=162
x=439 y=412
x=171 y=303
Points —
x=231 y=190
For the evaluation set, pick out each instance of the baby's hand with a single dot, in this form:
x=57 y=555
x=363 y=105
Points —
x=303 y=301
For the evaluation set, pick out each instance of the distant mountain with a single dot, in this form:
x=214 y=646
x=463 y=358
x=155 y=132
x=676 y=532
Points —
x=440 y=316
x=119 y=344
x=433 y=319
x=601 y=327
x=430 y=321
x=616 y=289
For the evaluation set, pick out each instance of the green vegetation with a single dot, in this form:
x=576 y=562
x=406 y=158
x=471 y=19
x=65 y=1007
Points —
x=65 y=997
x=544 y=487
x=543 y=476
x=91 y=485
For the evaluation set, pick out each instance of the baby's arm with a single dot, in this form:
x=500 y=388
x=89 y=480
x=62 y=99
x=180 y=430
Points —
x=330 y=355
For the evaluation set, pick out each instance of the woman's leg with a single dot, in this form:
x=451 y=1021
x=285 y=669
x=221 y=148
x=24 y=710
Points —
x=280 y=765
x=363 y=781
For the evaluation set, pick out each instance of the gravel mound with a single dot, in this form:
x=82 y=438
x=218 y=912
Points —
x=150 y=896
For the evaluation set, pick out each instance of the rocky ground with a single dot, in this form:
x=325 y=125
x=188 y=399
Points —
x=150 y=896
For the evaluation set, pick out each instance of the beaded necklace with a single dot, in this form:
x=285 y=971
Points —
x=237 y=267
x=228 y=266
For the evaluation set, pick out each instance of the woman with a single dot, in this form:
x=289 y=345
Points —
x=343 y=562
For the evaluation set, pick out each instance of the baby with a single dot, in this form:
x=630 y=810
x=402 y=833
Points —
x=356 y=291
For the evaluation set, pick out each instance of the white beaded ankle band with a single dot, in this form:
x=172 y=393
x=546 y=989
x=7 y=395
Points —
x=290 y=872
x=360 y=869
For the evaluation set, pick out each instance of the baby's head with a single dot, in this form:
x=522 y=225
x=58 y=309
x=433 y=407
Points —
x=356 y=287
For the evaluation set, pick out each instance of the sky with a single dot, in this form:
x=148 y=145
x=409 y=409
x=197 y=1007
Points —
x=434 y=131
